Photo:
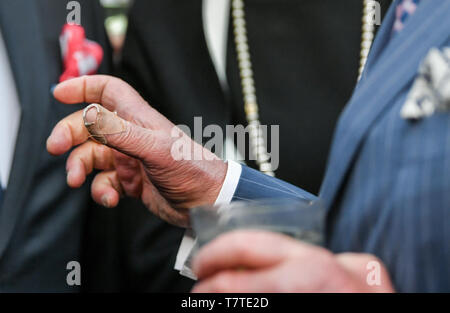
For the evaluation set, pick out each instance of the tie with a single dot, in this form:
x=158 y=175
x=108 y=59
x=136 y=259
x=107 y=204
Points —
x=404 y=10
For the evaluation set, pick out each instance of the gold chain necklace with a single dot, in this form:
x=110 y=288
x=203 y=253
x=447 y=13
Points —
x=257 y=141
x=367 y=35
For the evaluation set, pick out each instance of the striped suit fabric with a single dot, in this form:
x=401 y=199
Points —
x=387 y=185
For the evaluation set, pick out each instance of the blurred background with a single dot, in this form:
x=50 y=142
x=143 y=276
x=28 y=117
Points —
x=116 y=21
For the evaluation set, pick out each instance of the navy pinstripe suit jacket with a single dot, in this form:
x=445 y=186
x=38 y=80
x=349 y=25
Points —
x=387 y=186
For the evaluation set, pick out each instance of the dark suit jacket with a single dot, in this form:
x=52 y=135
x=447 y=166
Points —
x=305 y=56
x=41 y=220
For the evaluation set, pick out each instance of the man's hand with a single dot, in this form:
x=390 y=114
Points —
x=138 y=161
x=256 y=261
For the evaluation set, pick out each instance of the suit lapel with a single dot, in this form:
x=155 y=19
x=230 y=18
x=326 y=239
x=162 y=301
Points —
x=396 y=66
x=22 y=34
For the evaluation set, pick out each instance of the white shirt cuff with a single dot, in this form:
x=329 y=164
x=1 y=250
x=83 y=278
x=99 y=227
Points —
x=230 y=183
x=225 y=196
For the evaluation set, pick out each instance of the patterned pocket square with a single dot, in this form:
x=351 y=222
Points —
x=430 y=91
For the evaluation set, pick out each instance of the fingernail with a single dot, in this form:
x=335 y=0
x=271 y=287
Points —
x=101 y=122
x=91 y=114
x=105 y=201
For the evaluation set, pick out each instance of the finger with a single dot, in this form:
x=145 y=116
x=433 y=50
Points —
x=242 y=249
x=128 y=138
x=238 y=282
x=89 y=89
x=67 y=133
x=111 y=92
x=84 y=159
x=360 y=265
x=160 y=206
x=106 y=189
x=129 y=174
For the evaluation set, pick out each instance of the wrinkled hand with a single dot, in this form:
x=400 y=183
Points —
x=257 y=261
x=137 y=162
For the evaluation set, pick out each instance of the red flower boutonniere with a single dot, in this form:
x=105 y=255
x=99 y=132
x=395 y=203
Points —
x=80 y=55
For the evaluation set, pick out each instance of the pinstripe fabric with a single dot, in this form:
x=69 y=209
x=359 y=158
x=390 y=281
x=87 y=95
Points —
x=254 y=185
x=388 y=181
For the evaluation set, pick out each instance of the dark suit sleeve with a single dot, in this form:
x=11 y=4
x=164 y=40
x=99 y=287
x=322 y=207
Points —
x=256 y=185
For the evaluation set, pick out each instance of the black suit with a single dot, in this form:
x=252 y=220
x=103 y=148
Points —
x=41 y=219
x=305 y=56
